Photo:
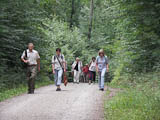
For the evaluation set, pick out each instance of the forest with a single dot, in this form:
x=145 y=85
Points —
x=127 y=30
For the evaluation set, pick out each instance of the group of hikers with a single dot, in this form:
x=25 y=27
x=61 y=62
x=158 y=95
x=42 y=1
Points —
x=85 y=73
x=99 y=64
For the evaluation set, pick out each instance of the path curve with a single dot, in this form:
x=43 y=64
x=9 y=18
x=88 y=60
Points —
x=74 y=102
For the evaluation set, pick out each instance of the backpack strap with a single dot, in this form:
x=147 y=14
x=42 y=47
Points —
x=105 y=57
x=59 y=62
x=98 y=59
x=56 y=57
x=25 y=52
x=62 y=57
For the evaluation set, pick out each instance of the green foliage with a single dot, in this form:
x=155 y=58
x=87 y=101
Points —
x=72 y=42
x=138 y=37
x=134 y=50
x=139 y=99
x=62 y=9
x=18 y=23
x=45 y=23
x=128 y=31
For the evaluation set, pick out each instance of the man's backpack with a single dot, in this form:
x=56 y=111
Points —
x=24 y=65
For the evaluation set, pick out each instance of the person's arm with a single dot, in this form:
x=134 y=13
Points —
x=107 y=68
x=22 y=58
x=90 y=64
x=53 y=64
x=72 y=66
x=25 y=61
x=97 y=67
x=81 y=66
x=53 y=69
x=72 y=70
x=38 y=63
x=107 y=65
x=64 y=64
x=97 y=64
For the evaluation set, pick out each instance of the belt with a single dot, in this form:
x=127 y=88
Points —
x=32 y=65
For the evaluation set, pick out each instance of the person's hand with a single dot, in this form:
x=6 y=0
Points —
x=26 y=61
x=39 y=69
x=107 y=69
x=97 y=70
x=64 y=70
x=53 y=71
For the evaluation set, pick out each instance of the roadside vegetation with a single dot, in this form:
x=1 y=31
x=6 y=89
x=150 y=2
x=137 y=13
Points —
x=128 y=31
x=138 y=99
x=23 y=88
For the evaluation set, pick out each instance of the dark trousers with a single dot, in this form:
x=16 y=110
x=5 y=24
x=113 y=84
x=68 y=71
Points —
x=31 y=75
x=92 y=76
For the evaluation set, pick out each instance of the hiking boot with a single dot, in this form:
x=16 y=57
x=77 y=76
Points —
x=30 y=92
x=102 y=89
x=58 y=89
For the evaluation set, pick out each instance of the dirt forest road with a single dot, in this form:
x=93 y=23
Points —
x=74 y=102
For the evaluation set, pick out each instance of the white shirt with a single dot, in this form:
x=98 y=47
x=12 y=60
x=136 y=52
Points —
x=102 y=62
x=80 y=65
x=92 y=66
x=57 y=65
x=32 y=57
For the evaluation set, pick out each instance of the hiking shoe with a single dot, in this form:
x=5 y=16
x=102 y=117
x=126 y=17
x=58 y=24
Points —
x=58 y=89
x=30 y=92
x=102 y=89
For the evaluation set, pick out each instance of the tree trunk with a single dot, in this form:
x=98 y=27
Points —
x=72 y=13
x=90 y=19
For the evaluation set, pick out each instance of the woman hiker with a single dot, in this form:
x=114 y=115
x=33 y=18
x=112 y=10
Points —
x=101 y=67
x=92 y=71
x=58 y=67
x=77 y=68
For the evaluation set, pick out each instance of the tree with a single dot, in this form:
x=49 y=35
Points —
x=91 y=19
x=72 y=13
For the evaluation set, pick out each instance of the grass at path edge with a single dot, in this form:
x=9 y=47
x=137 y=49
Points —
x=139 y=98
x=21 y=89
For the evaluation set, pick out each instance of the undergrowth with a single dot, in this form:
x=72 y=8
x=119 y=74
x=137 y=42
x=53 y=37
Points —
x=138 y=100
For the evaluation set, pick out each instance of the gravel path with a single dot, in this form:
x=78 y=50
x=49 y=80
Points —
x=74 y=102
